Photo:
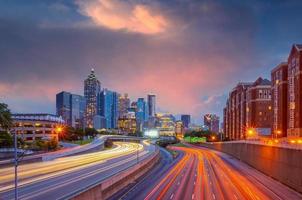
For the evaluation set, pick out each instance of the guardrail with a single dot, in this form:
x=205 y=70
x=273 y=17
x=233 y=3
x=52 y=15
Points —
x=108 y=187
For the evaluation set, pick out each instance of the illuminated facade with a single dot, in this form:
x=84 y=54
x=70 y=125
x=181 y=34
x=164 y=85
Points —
x=259 y=107
x=127 y=123
x=279 y=100
x=92 y=88
x=179 y=129
x=294 y=128
x=31 y=127
x=165 y=124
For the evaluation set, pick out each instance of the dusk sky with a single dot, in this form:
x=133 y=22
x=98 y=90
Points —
x=190 y=53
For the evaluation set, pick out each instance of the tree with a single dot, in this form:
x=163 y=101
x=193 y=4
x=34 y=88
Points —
x=91 y=132
x=6 y=140
x=6 y=121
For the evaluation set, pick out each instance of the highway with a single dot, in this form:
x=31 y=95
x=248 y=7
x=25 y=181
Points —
x=61 y=177
x=202 y=173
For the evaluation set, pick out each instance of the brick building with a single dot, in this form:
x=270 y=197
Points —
x=279 y=100
x=294 y=114
x=235 y=112
x=248 y=106
x=259 y=107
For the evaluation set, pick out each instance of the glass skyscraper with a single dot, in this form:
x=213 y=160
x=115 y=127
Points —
x=142 y=114
x=72 y=108
x=92 y=88
x=108 y=107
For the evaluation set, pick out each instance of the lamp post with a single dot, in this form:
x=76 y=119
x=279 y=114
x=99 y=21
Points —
x=15 y=163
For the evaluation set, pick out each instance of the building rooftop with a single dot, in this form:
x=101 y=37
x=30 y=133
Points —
x=38 y=117
x=261 y=81
x=298 y=46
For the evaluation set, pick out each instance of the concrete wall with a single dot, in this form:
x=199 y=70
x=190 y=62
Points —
x=284 y=165
x=110 y=186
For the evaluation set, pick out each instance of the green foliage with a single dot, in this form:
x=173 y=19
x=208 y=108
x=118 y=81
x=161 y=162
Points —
x=45 y=144
x=6 y=121
x=91 y=132
x=6 y=140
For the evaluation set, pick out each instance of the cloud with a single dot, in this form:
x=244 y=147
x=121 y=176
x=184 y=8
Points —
x=119 y=15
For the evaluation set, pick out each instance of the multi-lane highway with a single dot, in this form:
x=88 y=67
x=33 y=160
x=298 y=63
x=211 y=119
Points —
x=206 y=174
x=59 y=178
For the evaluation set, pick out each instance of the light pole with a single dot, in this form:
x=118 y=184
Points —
x=16 y=164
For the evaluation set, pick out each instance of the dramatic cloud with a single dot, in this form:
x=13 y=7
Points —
x=119 y=14
x=190 y=53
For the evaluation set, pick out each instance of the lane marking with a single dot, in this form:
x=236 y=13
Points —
x=193 y=196
x=172 y=195
x=214 y=197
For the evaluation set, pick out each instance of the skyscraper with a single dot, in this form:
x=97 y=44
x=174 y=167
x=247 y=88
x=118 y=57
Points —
x=92 y=87
x=142 y=114
x=212 y=122
x=108 y=107
x=123 y=105
x=71 y=107
x=151 y=105
x=186 y=120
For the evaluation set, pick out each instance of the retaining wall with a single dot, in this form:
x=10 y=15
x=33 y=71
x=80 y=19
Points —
x=284 y=165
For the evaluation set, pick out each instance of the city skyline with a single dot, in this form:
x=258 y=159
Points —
x=260 y=46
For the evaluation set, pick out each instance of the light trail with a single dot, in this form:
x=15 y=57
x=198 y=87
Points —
x=30 y=173
x=203 y=174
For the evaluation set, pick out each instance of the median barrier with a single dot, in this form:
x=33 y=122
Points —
x=113 y=184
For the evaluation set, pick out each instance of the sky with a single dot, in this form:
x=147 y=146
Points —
x=190 y=53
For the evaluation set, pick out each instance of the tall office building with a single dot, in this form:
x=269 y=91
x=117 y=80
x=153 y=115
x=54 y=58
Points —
x=92 y=88
x=141 y=114
x=279 y=100
x=211 y=121
x=108 y=107
x=186 y=120
x=71 y=107
x=294 y=61
x=123 y=105
x=151 y=105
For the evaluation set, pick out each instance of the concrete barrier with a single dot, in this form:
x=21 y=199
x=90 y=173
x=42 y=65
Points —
x=282 y=164
x=108 y=187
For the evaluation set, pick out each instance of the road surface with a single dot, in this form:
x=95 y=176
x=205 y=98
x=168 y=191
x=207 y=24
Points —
x=207 y=174
x=59 y=178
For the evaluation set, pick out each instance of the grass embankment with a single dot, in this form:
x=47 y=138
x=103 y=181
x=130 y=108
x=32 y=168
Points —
x=82 y=142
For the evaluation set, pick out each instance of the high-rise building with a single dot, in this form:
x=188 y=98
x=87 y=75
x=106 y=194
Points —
x=71 y=107
x=186 y=120
x=124 y=105
x=142 y=114
x=259 y=107
x=279 y=100
x=108 y=107
x=92 y=88
x=212 y=122
x=151 y=105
